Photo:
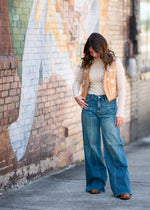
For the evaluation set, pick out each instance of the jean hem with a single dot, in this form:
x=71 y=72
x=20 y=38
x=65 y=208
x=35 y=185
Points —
x=95 y=188
x=118 y=194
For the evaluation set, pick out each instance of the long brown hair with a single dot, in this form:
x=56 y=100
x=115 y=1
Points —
x=99 y=45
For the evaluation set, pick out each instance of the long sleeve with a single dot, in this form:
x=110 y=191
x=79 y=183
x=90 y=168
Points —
x=121 y=88
x=77 y=82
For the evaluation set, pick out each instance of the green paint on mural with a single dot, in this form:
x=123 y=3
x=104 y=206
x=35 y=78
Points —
x=19 y=12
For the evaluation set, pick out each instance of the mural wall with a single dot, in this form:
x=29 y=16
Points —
x=50 y=44
x=48 y=37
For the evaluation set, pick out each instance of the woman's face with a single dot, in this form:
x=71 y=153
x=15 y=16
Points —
x=93 y=53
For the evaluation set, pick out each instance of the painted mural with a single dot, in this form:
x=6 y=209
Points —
x=5 y=44
x=40 y=127
x=55 y=34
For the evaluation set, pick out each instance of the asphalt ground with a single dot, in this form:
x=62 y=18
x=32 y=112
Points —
x=65 y=190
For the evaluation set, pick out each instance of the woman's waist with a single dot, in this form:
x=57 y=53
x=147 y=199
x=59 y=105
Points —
x=95 y=96
x=96 y=90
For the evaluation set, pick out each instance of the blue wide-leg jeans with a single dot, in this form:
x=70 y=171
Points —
x=98 y=119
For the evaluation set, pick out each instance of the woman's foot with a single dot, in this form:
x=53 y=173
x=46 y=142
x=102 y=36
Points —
x=125 y=196
x=93 y=191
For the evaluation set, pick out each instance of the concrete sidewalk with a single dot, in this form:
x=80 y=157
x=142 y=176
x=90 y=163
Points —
x=66 y=190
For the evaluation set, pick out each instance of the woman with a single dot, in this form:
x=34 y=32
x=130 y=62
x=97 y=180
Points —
x=102 y=78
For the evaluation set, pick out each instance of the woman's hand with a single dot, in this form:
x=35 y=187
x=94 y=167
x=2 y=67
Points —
x=119 y=121
x=80 y=100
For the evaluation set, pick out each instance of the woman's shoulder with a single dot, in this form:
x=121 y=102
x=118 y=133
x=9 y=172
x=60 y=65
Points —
x=118 y=62
x=116 y=59
x=119 y=65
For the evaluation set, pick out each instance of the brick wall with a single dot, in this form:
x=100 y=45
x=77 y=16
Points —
x=117 y=32
x=40 y=122
x=143 y=90
x=9 y=107
x=143 y=106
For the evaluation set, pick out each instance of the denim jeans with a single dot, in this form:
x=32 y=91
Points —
x=98 y=119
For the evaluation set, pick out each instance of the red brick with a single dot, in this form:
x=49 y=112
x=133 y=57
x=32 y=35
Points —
x=12 y=92
x=1 y=101
x=4 y=93
x=8 y=100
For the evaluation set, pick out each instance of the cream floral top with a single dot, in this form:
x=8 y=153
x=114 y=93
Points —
x=96 y=82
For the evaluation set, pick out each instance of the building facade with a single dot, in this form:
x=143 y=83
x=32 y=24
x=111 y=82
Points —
x=41 y=43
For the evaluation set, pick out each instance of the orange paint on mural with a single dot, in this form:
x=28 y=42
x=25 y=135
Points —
x=39 y=9
x=52 y=25
x=103 y=14
x=69 y=27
